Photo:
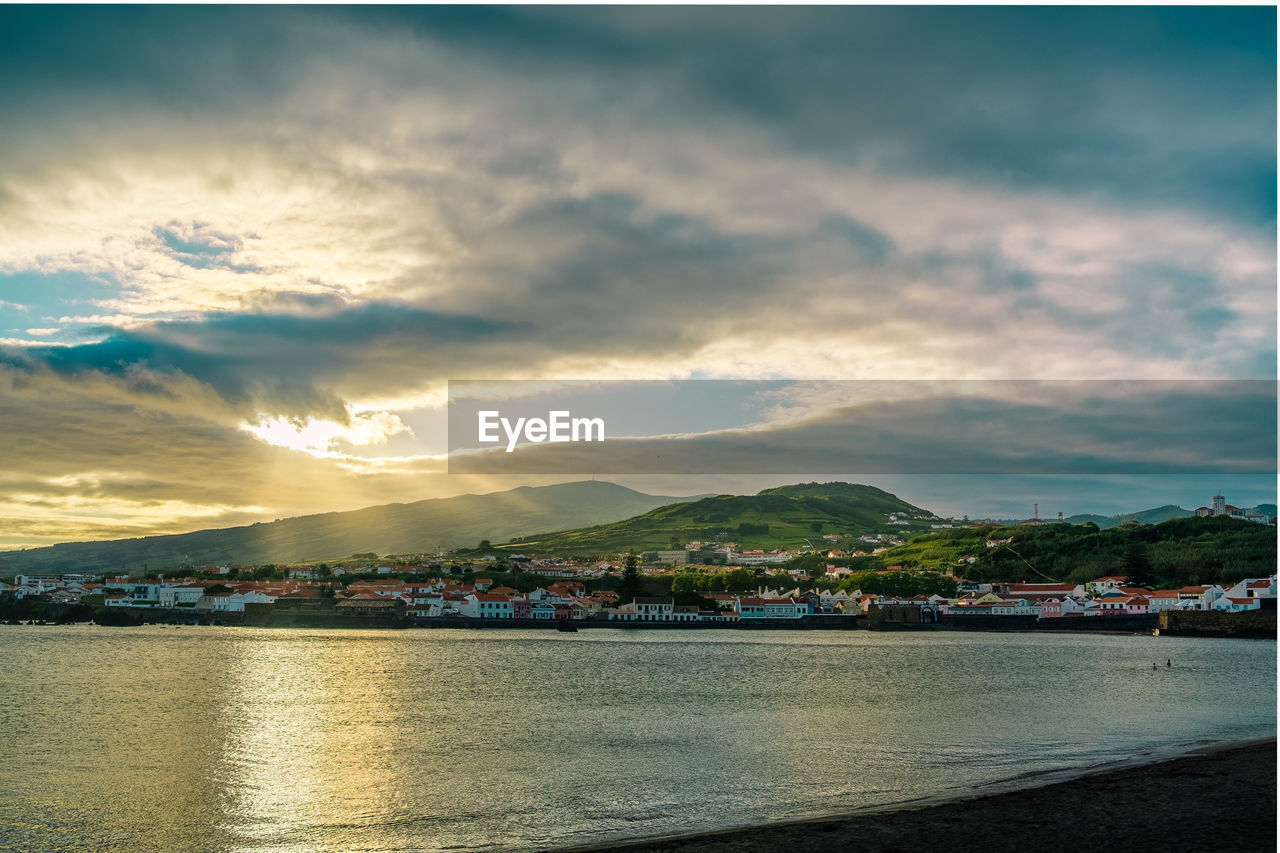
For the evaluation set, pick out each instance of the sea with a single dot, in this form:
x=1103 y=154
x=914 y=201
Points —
x=168 y=738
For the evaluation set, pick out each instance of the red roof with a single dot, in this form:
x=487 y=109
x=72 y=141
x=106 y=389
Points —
x=1042 y=587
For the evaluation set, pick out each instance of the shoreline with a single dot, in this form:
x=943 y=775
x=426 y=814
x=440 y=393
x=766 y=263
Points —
x=547 y=626
x=1147 y=801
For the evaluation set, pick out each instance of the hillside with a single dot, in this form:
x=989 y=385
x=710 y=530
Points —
x=1175 y=552
x=793 y=514
x=1146 y=516
x=421 y=526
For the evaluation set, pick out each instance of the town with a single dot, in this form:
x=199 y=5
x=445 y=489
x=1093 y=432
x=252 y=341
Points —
x=564 y=592
x=842 y=582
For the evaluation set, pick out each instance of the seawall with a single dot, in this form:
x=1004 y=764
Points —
x=1250 y=624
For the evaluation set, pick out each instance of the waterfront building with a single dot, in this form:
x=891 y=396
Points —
x=772 y=608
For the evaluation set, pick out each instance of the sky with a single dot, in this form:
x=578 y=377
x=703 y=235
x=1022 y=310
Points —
x=244 y=250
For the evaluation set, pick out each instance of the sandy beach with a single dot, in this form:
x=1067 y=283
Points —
x=1218 y=799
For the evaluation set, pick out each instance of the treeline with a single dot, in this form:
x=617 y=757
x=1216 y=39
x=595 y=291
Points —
x=736 y=580
x=904 y=583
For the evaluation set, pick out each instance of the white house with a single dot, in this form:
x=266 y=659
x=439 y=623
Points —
x=772 y=608
x=232 y=602
x=1235 y=605
x=1162 y=599
x=1113 y=603
x=184 y=595
x=483 y=605
x=1201 y=597
x=542 y=610
x=1098 y=586
x=1015 y=607
x=1253 y=588
x=653 y=609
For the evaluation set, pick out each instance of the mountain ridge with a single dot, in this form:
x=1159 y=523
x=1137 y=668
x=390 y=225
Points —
x=1155 y=515
x=398 y=528
x=586 y=516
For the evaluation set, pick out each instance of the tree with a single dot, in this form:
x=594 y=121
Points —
x=739 y=580
x=1137 y=564
x=685 y=582
x=630 y=584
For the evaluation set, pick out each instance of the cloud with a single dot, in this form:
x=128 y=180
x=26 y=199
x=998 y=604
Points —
x=983 y=428
x=298 y=223
x=320 y=438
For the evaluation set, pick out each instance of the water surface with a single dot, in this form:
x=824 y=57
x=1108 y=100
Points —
x=232 y=739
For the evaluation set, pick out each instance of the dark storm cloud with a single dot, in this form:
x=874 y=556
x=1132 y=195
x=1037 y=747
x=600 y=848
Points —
x=287 y=363
x=603 y=267
x=1011 y=428
x=1157 y=105
x=1151 y=105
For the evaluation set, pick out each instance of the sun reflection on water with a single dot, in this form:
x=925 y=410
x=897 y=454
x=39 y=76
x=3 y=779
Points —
x=313 y=747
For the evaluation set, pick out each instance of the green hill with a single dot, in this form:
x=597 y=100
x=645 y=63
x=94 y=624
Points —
x=1146 y=516
x=1176 y=552
x=786 y=516
x=419 y=527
